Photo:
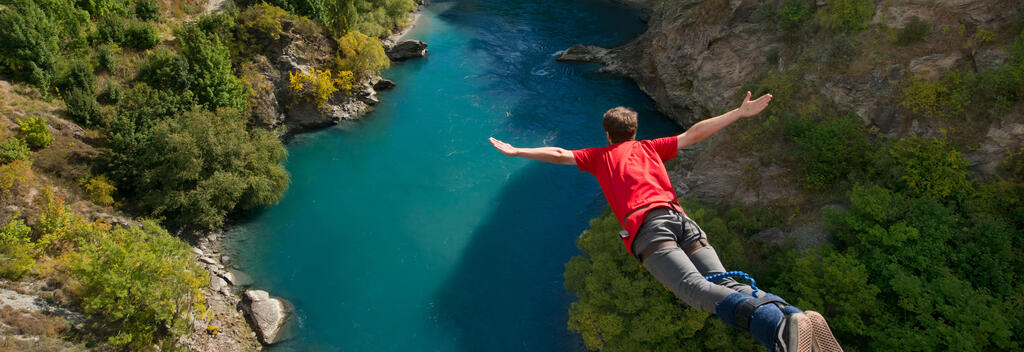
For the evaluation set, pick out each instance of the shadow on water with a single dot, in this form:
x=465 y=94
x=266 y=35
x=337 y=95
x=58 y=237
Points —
x=506 y=292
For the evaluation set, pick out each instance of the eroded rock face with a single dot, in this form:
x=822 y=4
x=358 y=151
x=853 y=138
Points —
x=269 y=316
x=696 y=56
x=299 y=49
x=406 y=49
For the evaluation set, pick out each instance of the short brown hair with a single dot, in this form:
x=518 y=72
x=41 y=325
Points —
x=620 y=123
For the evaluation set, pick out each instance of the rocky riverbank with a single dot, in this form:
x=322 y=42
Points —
x=240 y=317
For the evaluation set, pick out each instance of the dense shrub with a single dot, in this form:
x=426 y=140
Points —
x=34 y=131
x=167 y=70
x=209 y=64
x=931 y=167
x=848 y=15
x=110 y=29
x=915 y=31
x=792 y=14
x=111 y=94
x=75 y=74
x=15 y=176
x=832 y=150
x=318 y=86
x=141 y=35
x=141 y=280
x=32 y=36
x=106 y=57
x=376 y=18
x=102 y=8
x=83 y=108
x=363 y=56
x=128 y=130
x=147 y=10
x=196 y=168
x=17 y=252
x=98 y=189
x=12 y=149
x=621 y=307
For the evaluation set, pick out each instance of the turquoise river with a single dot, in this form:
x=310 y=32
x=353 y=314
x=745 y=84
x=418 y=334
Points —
x=407 y=231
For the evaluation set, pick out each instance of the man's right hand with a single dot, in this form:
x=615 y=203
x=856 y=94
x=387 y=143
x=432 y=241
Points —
x=504 y=148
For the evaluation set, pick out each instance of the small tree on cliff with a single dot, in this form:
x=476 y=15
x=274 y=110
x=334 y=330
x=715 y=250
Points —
x=362 y=55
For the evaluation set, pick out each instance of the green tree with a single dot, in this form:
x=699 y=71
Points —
x=32 y=36
x=209 y=64
x=147 y=10
x=12 y=149
x=198 y=167
x=17 y=252
x=621 y=307
x=141 y=280
x=83 y=108
x=140 y=35
x=33 y=129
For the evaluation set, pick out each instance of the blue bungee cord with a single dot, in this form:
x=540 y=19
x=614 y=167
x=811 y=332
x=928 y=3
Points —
x=744 y=275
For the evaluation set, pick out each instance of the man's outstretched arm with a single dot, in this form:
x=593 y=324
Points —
x=552 y=155
x=704 y=129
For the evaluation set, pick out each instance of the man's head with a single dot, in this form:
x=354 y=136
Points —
x=620 y=124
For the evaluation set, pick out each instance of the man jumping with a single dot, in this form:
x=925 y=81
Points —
x=670 y=245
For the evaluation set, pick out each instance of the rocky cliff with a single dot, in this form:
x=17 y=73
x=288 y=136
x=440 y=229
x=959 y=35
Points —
x=697 y=56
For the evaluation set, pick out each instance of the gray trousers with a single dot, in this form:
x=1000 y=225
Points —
x=684 y=274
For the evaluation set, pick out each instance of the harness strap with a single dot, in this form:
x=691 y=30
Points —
x=745 y=310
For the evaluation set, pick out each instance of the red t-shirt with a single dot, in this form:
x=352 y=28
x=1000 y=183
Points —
x=632 y=175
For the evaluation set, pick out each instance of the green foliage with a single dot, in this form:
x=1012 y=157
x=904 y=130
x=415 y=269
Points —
x=931 y=167
x=196 y=168
x=17 y=252
x=102 y=8
x=792 y=14
x=376 y=18
x=210 y=66
x=166 y=70
x=33 y=35
x=106 y=57
x=832 y=150
x=14 y=176
x=110 y=29
x=83 y=108
x=363 y=56
x=941 y=274
x=147 y=10
x=111 y=94
x=141 y=35
x=263 y=19
x=140 y=280
x=128 y=131
x=98 y=189
x=12 y=149
x=915 y=31
x=848 y=15
x=75 y=74
x=33 y=130
x=621 y=307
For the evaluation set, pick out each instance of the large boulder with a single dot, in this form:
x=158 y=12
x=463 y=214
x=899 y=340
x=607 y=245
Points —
x=269 y=316
x=406 y=49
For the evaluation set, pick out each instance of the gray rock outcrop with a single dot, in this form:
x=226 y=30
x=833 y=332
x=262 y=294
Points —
x=580 y=52
x=269 y=316
x=299 y=49
x=406 y=49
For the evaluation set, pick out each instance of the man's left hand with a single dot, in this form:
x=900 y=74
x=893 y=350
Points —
x=754 y=107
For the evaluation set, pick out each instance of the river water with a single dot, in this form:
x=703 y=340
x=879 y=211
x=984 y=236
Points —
x=407 y=231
